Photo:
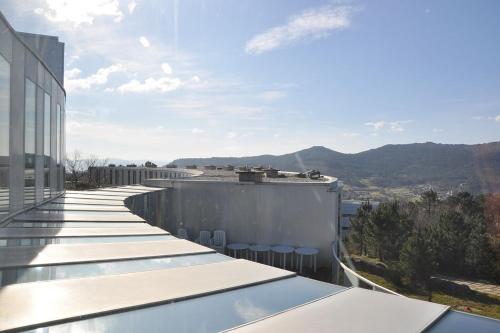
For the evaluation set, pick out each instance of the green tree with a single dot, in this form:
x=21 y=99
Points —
x=449 y=241
x=359 y=225
x=429 y=199
x=479 y=256
x=390 y=226
x=417 y=258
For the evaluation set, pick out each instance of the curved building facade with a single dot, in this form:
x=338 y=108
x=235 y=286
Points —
x=32 y=112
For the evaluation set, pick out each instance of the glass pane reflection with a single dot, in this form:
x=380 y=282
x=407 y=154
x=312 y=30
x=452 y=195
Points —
x=225 y=310
x=81 y=240
x=75 y=225
x=44 y=273
x=457 y=322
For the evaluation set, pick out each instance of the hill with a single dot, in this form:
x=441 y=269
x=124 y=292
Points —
x=446 y=167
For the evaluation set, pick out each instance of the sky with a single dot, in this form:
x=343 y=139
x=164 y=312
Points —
x=160 y=80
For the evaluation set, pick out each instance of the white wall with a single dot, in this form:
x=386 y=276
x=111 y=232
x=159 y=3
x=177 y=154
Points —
x=296 y=214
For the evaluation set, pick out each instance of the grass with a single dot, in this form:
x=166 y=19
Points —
x=476 y=303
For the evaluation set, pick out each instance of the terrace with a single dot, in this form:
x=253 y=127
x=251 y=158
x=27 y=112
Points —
x=86 y=265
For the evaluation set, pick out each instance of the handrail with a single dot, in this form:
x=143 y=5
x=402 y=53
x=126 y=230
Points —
x=350 y=273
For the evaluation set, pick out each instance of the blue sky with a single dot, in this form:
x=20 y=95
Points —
x=160 y=80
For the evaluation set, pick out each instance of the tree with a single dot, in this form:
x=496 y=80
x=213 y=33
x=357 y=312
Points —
x=74 y=167
x=429 y=198
x=149 y=164
x=479 y=256
x=359 y=224
x=390 y=226
x=417 y=258
x=449 y=240
x=93 y=161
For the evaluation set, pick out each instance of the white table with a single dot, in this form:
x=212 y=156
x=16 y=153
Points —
x=260 y=248
x=282 y=250
x=308 y=252
x=235 y=247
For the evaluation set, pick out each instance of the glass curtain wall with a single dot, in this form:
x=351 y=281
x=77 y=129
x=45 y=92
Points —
x=29 y=142
x=46 y=146
x=4 y=135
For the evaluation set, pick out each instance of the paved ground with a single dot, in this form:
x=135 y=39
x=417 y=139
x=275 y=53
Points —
x=482 y=287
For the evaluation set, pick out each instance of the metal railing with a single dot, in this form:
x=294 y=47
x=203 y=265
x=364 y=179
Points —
x=351 y=278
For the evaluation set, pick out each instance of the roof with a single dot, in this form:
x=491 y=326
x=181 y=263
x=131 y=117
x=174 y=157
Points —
x=108 y=270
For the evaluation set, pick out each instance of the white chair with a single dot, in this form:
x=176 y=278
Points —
x=182 y=233
x=204 y=238
x=218 y=242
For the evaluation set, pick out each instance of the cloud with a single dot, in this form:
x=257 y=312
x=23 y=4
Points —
x=494 y=118
x=131 y=6
x=273 y=95
x=309 y=25
x=164 y=84
x=73 y=83
x=391 y=126
x=231 y=135
x=79 y=12
x=197 y=131
x=376 y=125
x=437 y=130
x=72 y=73
x=166 y=68
x=351 y=134
x=144 y=41
x=195 y=79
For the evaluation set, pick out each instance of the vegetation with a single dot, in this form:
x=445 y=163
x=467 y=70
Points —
x=477 y=303
x=457 y=236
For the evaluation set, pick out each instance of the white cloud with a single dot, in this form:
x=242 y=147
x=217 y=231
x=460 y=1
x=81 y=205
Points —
x=437 y=130
x=231 y=135
x=309 y=25
x=350 y=134
x=78 y=12
x=72 y=73
x=73 y=83
x=144 y=41
x=273 y=95
x=131 y=6
x=497 y=119
x=378 y=125
x=196 y=79
x=391 y=126
x=166 y=68
x=163 y=84
x=197 y=131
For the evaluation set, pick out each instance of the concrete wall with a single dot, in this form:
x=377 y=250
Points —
x=296 y=214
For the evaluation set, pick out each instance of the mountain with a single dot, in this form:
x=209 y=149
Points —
x=444 y=166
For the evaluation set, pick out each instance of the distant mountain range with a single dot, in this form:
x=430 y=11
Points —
x=444 y=166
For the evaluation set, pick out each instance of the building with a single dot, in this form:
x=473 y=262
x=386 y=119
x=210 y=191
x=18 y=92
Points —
x=94 y=261
x=350 y=210
x=128 y=175
x=32 y=111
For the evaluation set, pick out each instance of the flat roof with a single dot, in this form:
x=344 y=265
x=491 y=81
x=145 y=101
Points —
x=145 y=283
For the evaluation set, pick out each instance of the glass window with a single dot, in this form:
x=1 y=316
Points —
x=58 y=134
x=56 y=272
x=29 y=142
x=46 y=144
x=225 y=310
x=4 y=134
